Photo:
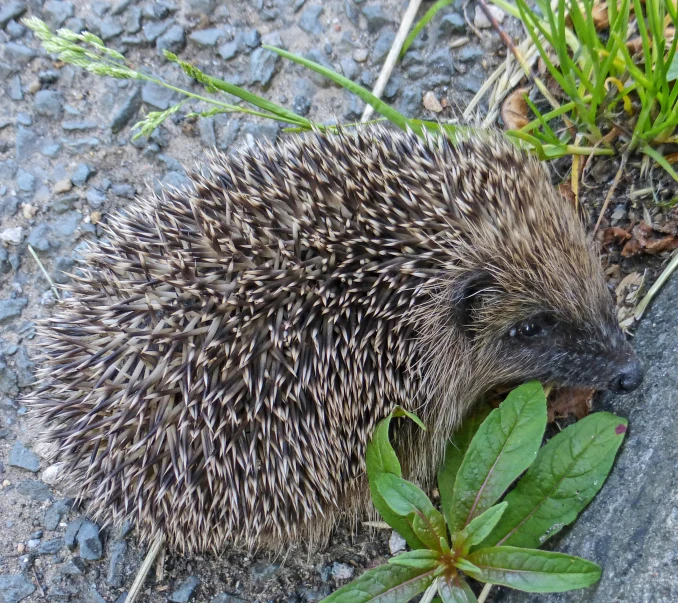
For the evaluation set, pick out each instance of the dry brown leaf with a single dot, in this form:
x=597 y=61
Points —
x=644 y=242
x=514 y=110
x=565 y=190
x=628 y=287
x=613 y=234
x=565 y=401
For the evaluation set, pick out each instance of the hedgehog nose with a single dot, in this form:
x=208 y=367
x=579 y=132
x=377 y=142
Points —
x=629 y=377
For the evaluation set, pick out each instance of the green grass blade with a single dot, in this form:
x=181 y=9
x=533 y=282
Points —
x=660 y=159
x=378 y=105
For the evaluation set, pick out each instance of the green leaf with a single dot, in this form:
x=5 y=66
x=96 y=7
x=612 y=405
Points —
x=454 y=455
x=660 y=159
x=398 y=119
x=381 y=459
x=503 y=447
x=455 y=590
x=384 y=584
x=480 y=528
x=533 y=570
x=399 y=411
x=406 y=500
x=567 y=474
x=466 y=566
x=424 y=559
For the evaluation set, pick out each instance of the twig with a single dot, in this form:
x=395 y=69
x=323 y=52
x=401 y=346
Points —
x=47 y=276
x=615 y=183
x=527 y=68
x=663 y=277
x=35 y=575
x=403 y=30
x=470 y=24
x=144 y=569
x=484 y=593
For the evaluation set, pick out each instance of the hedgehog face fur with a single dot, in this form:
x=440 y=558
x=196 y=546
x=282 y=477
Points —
x=228 y=350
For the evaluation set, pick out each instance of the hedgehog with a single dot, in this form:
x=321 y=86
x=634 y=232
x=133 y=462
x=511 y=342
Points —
x=223 y=355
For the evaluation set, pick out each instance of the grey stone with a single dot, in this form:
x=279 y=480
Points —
x=93 y=595
x=273 y=38
x=19 y=54
x=185 y=590
x=207 y=37
x=95 y=198
x=355 y=108
x=26 y=143
x=127 y=190
x=66 y=225
x=120 y=6
x=376 y=17
x=36 y=490
x=309 y=20
x=248 y=39
x=15 y=587
x=62 y=266
x=342 y=571
x=382 y=45
x=49 y=547
x=229 y=50
x=25 y=181
x=8 y=380
x=55 y=13
x=153 y=30
x=72 y=530
x=350 y=68
x=89 y=541
x=263 y=64
x=79 y=125
x=127 y=110
x=56 y=511
x=317 y=56
x=51 y=149
x=441 y=62
x=176 y=179
x=204 y=7
x=226 y=128
x=73 y=567
x=11 y=308
x=24 y=368
x=206 y=130
x=24 y=119
x=82 y=174
x=451 y=24
x=301 y=104
x=173 y=40
x=14 y=88
x=409 y=103
x=48 y=76
x=133 y=20
x=23 y=458
x=110 y=29
x=157 y=96
x=156 y=10
x=470 y=53
x=265 y=131
x=631 y=528
x=75 y=24
x=11 y=10
x=7 y=169
x=351 y=11
x=117 y=553
x=49 y=103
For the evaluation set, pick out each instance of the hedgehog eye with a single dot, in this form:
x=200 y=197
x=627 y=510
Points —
x=532 y=327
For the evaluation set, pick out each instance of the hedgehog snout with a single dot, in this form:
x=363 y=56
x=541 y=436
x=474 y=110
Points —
x=629 y=374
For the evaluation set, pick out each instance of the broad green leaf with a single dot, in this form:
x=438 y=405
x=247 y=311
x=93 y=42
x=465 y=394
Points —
x=454 y=455
x=424 y=559
x=381 y=459
x=406 y=500
x=396 y=118
x=503 y=447
x=533 y=570
x=455 y=590
x=568 y=472
x=466 y=566
x=384 y=584
x=480 y=528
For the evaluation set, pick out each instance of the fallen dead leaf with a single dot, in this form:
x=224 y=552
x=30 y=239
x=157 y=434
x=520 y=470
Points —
x=644 y=242
x=565 y=401
x=613 y=234
x=566 y=192
x=514 y=110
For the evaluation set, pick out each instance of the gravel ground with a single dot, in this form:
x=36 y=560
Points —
x=67 y=161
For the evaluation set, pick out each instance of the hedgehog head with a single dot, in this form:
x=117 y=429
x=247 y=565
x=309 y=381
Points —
x=524 y=297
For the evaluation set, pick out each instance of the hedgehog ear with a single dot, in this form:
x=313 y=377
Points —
x=468 y=296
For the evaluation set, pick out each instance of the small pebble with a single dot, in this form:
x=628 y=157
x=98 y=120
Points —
x=431 y=103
